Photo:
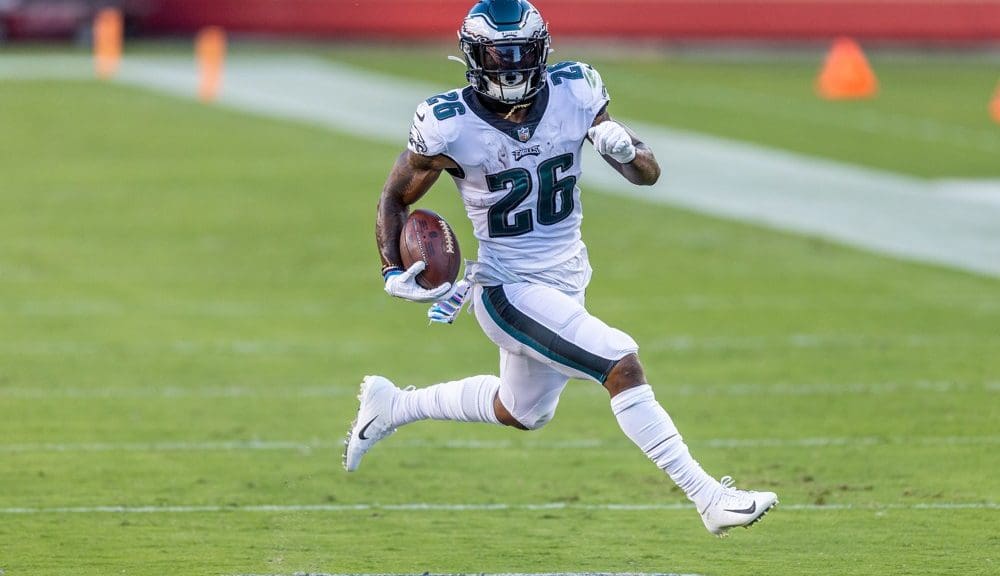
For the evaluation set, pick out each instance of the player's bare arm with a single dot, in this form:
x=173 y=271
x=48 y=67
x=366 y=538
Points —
x=643 y=170
x=411 y=177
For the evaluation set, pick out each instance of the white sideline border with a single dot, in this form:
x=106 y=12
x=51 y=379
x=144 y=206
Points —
x=877 y=210
x=444 y=507
x=307 y=447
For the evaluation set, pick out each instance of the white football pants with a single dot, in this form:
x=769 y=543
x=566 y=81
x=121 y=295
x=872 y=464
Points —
x=545 y=337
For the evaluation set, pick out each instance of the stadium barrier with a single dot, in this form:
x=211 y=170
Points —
x=916 y=20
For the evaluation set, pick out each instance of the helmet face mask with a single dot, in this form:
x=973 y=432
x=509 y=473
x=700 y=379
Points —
x=505 y=59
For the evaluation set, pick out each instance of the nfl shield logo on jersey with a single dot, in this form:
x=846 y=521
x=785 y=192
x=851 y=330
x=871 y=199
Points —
x=524 y=133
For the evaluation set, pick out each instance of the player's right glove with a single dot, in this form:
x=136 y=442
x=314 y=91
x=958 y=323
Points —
x=403 y=284
x=611 y=139
x=445 y=311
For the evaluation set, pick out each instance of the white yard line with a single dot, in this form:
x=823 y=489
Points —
x=214 y=308
x=140 y=390
x=308 y=446
x=884 y=212
x=482 y=574
x=167 y=446
x=492 y=507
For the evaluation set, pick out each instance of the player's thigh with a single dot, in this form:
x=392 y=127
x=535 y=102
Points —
x=529 y=389
x=543 y=323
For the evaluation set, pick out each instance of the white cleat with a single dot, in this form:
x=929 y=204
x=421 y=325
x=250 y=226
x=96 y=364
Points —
x=733 y=507
x=373 y=422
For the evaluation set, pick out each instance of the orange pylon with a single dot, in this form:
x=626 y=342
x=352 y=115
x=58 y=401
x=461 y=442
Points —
x=846 y=73
x=107 y=42
x=210 y=48
x=995 y=106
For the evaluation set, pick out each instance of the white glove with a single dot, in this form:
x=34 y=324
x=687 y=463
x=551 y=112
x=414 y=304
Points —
x=611 y=139
x=402 y=284
x=445 y=311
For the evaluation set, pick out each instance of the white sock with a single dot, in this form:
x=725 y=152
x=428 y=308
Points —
x=466 y=400
x=647 y=424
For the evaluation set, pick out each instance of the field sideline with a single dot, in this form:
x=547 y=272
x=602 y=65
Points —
x=953 y=222
x=189 y=296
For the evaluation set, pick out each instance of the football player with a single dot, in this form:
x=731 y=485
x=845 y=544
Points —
x=512 y=141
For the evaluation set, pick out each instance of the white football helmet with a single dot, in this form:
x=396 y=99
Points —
x=505 y=44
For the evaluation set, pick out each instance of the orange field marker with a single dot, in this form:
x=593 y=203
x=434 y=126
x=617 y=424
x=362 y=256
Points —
x=846 y=73
x=107 y=42
x=210 y=47
x=995 y=106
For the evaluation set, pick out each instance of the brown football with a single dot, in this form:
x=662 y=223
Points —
x=427 y=236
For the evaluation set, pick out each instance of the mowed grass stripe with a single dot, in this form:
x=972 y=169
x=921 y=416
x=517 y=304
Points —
x=488 y=574
x=69 y=307
x=309 y=446
x=678 y=343
x=292 y=390
x=427 y=507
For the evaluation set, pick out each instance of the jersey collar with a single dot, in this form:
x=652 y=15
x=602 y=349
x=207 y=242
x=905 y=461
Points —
x=521 y=132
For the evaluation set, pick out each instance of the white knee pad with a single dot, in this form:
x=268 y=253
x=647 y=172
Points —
x=537 y=420
x=529 y=389
x=532 y=410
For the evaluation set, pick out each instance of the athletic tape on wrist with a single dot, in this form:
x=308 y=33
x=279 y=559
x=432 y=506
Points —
x=390 y=271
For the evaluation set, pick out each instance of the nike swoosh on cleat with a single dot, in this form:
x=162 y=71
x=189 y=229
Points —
x=750 y=510
x=361 y=435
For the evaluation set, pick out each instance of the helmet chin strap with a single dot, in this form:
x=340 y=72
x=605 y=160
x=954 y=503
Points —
x=515 y=108
x=519 y=106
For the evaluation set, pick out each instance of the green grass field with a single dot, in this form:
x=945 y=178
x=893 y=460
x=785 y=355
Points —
x=189 y=297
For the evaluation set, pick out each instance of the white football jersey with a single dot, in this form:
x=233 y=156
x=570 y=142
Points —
x=518 y=182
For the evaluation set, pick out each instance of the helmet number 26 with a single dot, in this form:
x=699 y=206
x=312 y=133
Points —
x=555 y=197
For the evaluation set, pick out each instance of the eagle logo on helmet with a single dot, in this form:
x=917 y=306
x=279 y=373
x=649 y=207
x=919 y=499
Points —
x=505 y=44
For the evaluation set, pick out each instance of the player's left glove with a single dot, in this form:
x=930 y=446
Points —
x=611 y=139
x=403 y=284
x=445 y=311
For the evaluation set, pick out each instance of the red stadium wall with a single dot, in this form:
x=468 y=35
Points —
x=944 y=20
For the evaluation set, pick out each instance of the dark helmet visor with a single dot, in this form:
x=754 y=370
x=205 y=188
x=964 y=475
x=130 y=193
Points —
x=505 y=57
x=511 y=64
